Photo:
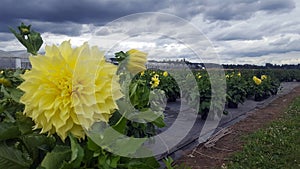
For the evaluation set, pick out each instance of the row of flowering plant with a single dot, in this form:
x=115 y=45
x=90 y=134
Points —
x=263 y=87
x=204 y=88
x=236 y=89
x=47 y=112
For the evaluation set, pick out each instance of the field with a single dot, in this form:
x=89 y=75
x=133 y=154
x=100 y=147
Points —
x=275 y=146
x=267 y=138
x=25 y=144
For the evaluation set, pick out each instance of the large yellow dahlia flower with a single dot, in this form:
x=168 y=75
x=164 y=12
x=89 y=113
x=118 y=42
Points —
x=136 y=61
x=67 y=90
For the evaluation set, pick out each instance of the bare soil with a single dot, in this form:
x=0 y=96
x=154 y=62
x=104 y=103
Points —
x=214 y=157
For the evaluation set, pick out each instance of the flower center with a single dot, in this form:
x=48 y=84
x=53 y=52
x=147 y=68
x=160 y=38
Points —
x=65 y=85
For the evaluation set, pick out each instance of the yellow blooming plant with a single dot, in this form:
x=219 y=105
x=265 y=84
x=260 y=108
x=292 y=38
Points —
x=67 y=89
x=263 y=77
x=70 y=90
x=236 y=91
x=155 y=81
x=165 y=74
x=256 y=80
x=29 y=38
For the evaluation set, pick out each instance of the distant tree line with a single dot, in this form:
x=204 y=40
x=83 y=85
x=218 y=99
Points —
x=266 y=66
x=194 y=65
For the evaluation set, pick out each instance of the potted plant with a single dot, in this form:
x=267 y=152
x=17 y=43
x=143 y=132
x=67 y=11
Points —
x=236 y=89
x=261 y=87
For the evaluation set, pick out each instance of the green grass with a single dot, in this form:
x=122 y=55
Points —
x=277 y=146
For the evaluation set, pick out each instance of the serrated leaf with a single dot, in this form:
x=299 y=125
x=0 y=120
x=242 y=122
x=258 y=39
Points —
x=35 y=142
x=12 y=158
x=15 y=94
x=24 y=123
x=8 y=131
x=5 y=92
x=56 y=158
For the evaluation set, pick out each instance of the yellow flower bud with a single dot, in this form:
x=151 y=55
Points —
x=263 y=77
x=24 y=30
x=165 y=74
x=136 y=61
x=5 y=82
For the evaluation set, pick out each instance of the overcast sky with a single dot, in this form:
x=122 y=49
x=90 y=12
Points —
x=238 y=31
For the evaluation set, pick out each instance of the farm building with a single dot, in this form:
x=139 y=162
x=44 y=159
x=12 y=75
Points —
x=14 y=59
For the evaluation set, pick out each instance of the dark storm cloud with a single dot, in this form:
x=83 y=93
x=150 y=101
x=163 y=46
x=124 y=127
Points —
x=280 y=46
x=65 y=15
x=242 y=9
x=276 y=5
x=60 y=11
x=64 y=28
x=80 y=11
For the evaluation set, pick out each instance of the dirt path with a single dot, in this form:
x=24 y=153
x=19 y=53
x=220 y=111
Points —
x=214 y=157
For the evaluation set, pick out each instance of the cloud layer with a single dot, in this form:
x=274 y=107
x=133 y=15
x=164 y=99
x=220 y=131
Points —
x=241 y=31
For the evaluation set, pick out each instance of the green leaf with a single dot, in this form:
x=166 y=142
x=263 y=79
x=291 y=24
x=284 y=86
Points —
x=77 y=153
x=114 y=161
x=24 y=123
x=120 y=126
x=145 y=163
x=128 y=145
x=30 y=39
x=37 y=41
x=8 y=131
x=56 y=158
x=36 y=142
x=91 y=145
x=12 y=158
x=133 y=89
x=159 y=122
x=5 y=92
x=19 y=37
x=168 y=162
x=15 y=94
x=120 y=56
